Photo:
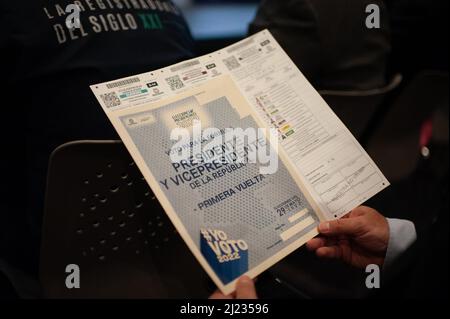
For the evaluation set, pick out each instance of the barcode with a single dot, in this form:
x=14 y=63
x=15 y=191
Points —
x=116 y=84
x=184 y=65
x=231 y=63
x=110 y=99
x=240 y=45
x=175 y=82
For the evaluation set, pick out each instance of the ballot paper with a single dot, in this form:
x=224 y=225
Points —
x=240 y=202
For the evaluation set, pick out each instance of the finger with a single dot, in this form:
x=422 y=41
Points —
x=245 y=288
x=347 y=215
x=318 y=242
x=218 y=295
x=355 y=212
x=346 y=226
x=315 y=243
x=360 y=211
x=329 y=252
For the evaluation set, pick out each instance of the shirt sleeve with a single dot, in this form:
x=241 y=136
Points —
x=402 y=234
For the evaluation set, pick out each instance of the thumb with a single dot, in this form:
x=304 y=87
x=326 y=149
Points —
x=245 y=288
x=344 y=226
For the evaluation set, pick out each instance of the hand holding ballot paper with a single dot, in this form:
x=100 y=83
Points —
x=243 y=154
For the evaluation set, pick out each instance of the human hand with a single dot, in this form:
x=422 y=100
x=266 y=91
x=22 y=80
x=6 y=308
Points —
x=245 y=289
x=359 y=239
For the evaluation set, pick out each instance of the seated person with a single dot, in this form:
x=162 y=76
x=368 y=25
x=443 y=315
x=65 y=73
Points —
x=329 y=41
x=361 y=238
x=46 y=72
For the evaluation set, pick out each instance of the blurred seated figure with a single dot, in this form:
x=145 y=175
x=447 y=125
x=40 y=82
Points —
x=329 y=40
x=47 y=69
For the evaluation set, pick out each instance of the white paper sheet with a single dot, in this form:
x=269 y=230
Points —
x=255 y=80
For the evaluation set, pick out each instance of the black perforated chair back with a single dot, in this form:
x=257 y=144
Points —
x=101 y=215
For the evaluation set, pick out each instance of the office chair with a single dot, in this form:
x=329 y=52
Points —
x=101 y=216
x=394 y=142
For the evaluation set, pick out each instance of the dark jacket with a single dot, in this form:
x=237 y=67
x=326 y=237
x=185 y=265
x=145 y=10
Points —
x=329 y=40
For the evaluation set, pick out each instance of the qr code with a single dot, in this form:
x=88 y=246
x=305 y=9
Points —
x=175 y=82
x=110 y=100
x=231 y=63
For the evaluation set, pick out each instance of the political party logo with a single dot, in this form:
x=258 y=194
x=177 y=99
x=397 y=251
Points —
x=227 y=257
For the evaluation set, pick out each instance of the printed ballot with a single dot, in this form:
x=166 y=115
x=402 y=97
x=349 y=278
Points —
x=243 y=154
